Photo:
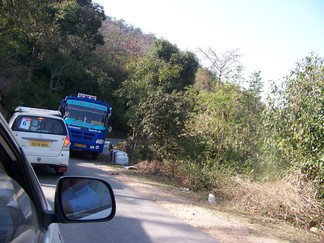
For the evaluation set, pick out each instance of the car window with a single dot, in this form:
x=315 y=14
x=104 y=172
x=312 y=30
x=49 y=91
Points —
x=39 y=124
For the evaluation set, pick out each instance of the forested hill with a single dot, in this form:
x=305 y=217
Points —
x=50 y=50
x=123 y=41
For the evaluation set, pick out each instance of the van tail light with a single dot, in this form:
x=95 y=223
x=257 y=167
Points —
x=67 y=143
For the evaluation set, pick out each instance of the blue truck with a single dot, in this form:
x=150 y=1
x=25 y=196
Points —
x=87 y=121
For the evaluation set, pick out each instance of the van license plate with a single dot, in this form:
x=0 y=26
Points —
x=42 y=144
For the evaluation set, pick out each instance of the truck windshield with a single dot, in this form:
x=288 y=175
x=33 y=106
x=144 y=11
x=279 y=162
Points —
x=85 y=114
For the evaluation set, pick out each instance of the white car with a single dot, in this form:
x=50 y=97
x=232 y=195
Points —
x=43 y=136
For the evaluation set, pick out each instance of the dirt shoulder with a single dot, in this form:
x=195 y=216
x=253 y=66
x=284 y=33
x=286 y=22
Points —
x=219 y=222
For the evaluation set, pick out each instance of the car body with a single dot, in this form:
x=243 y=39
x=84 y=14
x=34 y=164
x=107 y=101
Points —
x=43 y=136
x=26 y=215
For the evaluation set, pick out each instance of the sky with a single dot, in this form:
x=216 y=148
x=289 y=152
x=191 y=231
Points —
x=271 y=35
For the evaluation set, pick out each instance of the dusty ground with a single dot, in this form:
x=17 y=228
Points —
x=219 y=223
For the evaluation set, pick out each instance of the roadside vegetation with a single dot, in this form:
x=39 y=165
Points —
x=206 y=128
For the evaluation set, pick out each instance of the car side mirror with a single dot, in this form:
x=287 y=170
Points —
x=84 y=199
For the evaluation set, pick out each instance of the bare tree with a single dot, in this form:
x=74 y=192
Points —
x=222 y=65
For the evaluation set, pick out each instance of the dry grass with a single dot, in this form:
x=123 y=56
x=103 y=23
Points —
x=292 y=199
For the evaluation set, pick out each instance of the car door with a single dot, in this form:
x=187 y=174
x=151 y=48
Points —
x=22 y=202
x=19 y=222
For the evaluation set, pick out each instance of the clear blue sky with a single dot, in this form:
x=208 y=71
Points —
x=271 y=35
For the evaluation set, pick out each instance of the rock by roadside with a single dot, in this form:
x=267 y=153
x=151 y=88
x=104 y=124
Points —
x=226 y=227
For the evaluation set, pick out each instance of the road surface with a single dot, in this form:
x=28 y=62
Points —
x=137 y=219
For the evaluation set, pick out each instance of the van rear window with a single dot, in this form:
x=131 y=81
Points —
x=39 y=124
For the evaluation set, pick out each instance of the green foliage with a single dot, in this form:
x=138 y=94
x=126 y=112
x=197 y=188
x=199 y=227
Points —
x=204 y=79
x=47 y=47
x=170 y=68
x=80 y=21
x=123 y=43
x=255 y=85
x=163 y=50
x=164 y=120
x=156 y=107
x=224 y=128
x=193 y=175
x=295 y=120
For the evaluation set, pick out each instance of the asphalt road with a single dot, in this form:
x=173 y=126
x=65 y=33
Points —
x=137 y=219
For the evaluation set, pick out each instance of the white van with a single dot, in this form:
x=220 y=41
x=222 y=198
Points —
x=43 y=136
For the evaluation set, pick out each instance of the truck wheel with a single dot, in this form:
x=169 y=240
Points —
x=94 y=156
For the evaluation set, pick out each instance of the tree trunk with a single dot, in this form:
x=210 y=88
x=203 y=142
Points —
x=30 y=68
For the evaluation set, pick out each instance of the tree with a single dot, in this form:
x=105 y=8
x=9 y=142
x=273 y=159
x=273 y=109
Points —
x=204 y=79
x=255 y=84
x=161 y=73
x=164 y=117
x=23 y=28
x=222 y=65
x=48 y=42
x=81 y=21
x=224 y=127
x=294 y=120
x=171 y=69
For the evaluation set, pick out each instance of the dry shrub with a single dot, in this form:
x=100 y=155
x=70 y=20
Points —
x=153 y=167
x=292 y=199
x=166 y=170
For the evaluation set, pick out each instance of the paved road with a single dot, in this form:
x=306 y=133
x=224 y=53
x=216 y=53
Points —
x=137 y=219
